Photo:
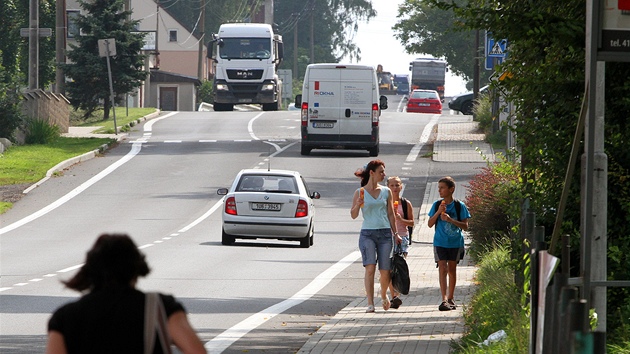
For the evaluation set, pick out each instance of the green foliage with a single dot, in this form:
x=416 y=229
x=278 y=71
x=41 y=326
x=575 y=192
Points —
x=10 y=117
x=15 y=49
x=90 y=85
x=491 y=201
x=39 y=131
x=423 y=28
x=495 y=305
x=205 y=92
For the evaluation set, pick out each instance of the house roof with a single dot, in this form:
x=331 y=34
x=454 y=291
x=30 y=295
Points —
x=165 y=76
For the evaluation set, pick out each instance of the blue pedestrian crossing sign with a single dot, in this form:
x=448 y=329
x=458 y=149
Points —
x=496 y=51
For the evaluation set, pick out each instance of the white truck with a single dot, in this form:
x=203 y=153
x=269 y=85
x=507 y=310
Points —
x=246 y=63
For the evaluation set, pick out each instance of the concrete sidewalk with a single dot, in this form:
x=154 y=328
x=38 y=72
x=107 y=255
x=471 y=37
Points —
x=417 y=326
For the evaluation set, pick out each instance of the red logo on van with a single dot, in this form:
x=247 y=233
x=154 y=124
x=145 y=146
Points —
x=316 y=85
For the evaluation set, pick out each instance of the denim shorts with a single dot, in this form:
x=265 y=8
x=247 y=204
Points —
x=376 y=245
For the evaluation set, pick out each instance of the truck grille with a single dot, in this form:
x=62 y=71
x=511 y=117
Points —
x=235 y=74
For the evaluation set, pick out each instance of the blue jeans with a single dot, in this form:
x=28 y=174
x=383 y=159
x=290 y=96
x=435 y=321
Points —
x=376 y=246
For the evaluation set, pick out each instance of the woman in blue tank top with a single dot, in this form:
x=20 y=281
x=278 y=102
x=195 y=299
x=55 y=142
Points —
x=379 y=226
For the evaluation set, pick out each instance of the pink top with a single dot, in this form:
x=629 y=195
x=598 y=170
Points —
x=400 y=226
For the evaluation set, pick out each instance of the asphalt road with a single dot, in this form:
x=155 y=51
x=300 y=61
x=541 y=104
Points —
x=160 y=187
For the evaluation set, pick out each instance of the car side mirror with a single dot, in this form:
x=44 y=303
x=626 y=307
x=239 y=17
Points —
x=222 y=191
x=298 y=101
x=383 y=102
x=315 y=195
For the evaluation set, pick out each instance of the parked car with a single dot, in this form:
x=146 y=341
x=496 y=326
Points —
x=268 y=204
x=464 y=102
x=424 y=101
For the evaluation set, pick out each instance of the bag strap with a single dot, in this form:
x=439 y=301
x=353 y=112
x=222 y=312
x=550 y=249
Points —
x=403 y=203
x=458 y=209
x=155 y=321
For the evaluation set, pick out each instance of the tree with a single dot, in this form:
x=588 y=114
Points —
x=426 y=29
x=335 y=23
x=547 y=61
x=10 y=118
x=88 y=71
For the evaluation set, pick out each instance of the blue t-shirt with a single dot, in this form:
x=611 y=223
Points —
x=448 y=235
x=375 y=210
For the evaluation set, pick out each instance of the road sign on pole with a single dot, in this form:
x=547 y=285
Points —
x=495 y=49
x=107 y=48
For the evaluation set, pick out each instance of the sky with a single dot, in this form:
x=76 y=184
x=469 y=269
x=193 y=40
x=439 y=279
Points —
x=379 y=46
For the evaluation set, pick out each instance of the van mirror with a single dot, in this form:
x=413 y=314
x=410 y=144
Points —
x=383 y=102
x=298 y=101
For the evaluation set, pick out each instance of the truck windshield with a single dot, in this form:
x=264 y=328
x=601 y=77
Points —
x=245 y=48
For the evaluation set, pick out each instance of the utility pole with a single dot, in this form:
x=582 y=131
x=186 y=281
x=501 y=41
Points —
x=312 y=44
x=202 y=31
x=295 y=49
x=33 y=45
x=595 y=176
x=60 y=45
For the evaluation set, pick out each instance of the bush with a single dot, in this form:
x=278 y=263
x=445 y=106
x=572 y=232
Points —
x=39 y=131
x=495 y=305
x=205 y=93
x=493 y=201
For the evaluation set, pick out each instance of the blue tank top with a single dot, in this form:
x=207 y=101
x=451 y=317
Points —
x=375 y=210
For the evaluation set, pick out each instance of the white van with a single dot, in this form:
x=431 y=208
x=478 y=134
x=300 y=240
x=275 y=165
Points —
x=340 y=108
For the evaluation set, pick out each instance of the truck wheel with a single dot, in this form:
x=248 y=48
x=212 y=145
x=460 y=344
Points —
x=219 y=107
x=270 y=106
x=305 y=150
x=373 y=151
x=467 y=108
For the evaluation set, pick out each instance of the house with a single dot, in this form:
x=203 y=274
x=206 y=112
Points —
x=173 y=56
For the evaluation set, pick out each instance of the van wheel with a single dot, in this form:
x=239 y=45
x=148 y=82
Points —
x=219 y=107
x=305 y=150
x=270 y=106
x=373 y=151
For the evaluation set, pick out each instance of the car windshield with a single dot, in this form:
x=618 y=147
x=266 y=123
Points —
x=245 y=48
x=267 y=183
x=423 y=94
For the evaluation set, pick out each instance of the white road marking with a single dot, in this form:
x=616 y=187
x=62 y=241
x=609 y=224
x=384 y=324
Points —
x=145 y=246
x=65 y=270
x=135 y=149
x=424 y=138
x=250 y=126
x=3 y=289
x=221 y=342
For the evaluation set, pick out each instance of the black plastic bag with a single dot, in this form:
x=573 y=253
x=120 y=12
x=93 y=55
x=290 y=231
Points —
x=400 y=274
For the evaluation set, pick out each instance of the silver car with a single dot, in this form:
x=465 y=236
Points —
x=270 y=204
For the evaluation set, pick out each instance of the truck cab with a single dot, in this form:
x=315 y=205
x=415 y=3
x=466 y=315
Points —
x=246 y=62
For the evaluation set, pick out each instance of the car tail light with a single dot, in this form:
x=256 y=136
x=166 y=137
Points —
x=302 y=209
x=230 y=206
x=304 y=114
x=374 y=114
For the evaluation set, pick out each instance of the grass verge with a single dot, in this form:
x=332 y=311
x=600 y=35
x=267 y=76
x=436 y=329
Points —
x=124 y=119
x=496 y=305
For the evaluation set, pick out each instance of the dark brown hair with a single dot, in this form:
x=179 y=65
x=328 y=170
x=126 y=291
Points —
x=448 y=180
x=364 y=173
x=113 y=261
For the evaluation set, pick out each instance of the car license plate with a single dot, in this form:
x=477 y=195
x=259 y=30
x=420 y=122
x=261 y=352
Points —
x=323 y=125
x=424 y=104
x=266 y=206
x=245 y=100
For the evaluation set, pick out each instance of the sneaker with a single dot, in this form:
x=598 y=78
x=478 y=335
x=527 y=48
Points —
x=396 y=302
x=370 y=309
x=444 y=306
x=451 y=303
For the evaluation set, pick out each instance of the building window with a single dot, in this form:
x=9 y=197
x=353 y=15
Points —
x=73 y=26
x=172 y=35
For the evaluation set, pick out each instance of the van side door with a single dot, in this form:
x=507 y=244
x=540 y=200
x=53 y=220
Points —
x=357 y=91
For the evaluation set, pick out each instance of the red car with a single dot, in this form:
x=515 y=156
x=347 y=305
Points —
x=424 y=101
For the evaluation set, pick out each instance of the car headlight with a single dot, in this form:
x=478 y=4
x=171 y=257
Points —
x=222 y=87
x=267 y=87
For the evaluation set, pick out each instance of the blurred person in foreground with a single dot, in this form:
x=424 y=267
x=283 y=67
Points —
x=110 y=316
